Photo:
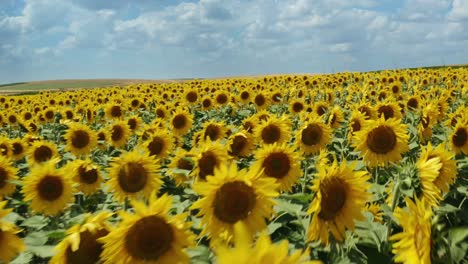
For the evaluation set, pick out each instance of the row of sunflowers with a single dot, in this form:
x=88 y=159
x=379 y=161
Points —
x=330 y=168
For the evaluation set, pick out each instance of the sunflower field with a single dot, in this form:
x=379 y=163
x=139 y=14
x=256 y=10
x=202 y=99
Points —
x=331 y=168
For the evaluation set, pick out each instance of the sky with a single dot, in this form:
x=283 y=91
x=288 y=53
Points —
x=157 y=39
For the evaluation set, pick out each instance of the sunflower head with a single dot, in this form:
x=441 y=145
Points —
x=150 y=235
x=134 y=174
x=81 y=244
x=48 y=189
x=382 y=141
x=10 y=244
x=210 y=155
x=119 y=134
x=240 y=144
x=181 y=122
x=274 y=130
x=80 y=139
x=279 y=162
x=41 y=151
x=86 y=175
x=314 y=135
x=231 y=196
x=341 y=194
x=7 y=173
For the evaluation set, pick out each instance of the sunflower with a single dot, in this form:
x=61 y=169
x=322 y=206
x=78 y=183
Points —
x=114 y=111
x=207 y=103
x=181 y=122
x=80 y=139
x=388 y=109
x=376 y=211
x=132 y=174
x=314 y=135
x=336 y=117
x=134 y=123
x=263 y=250
x=296 y=106
x=279 y=162
x=232 y=196
x=274 y=130
x=191 y=96
x=119 y=134
x=413 y=244
x=240 y=144
x=367 y=110
x=181 y=165
x=321 y=108
x=245 y=96
x=18 y=148
x=7 y=173
x=81 y=244
x=102 y=138
x=214 y=130
x=209 y=156
x=48 y=189
x=341 y=195
x=160 y=144
x=381 y=141
x=149 y=236
x=356 y=123
x=459 y=138
x=261 y=101
x=41 y=151
x=221 y=98
x=86 y=174
x=10 y=243
x=5 y=147
x=448 y=172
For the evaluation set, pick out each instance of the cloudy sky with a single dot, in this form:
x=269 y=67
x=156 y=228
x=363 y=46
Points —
x=64 y=39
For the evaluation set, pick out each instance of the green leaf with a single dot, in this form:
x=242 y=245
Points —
x=58 y=234
x=13 y=217
x=291 y=208
x=458 y=234
x=42 y=251
x=447 y=208
x=272 y=227
x=36 y=221
x=25 y=257
x=244 y=112
x=36 y=239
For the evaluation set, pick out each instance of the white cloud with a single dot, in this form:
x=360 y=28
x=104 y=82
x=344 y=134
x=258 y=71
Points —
x=459 y=10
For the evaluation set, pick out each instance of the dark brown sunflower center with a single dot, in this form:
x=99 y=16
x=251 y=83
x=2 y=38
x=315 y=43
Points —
x=160 y=113
x=321 y=110
x=311 y=135
x=381 y=140
x=271 y=134
x=248 y=126
x=184 y=164
x=179 y=121
x=116 y=111
x=206 y=164
x=149 y=238
x=221 y=99
x=156 y=146
x=238 y=144
x=12 y=119
x=135 y=103
x=69 y=114
x=277 y=165
x=206 y=103
x=3 y=177
x=298 y=107
x=192 y=96
x=260 y=100
x=50 y=187
x=117 y=133
x=49 y=114
x=412 y=103
x=366 y=111
x=244 y=95
x=42 y=153
x=88 y=176
x=27 y=116
x=234 y=201
x=460 y=137
x=132 y=123
x=355 y=125
x=213 y=132
x=386 y=111
x=89 y=250
x=333 y=193
x=132 y=177
x=80 y=139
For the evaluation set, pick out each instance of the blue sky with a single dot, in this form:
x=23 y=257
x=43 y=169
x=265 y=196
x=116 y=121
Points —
x=69 y=39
